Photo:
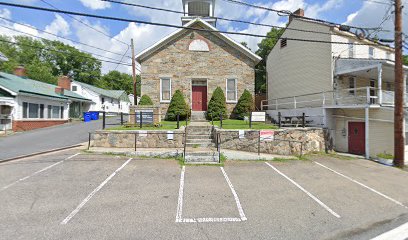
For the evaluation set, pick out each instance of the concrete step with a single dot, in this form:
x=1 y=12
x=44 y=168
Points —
x=195 y=140
x=202 y=157
x=198 y=116
x=199 y=136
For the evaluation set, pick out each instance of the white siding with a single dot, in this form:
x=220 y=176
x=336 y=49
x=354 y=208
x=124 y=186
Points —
x=18 y=111
x=300 y=67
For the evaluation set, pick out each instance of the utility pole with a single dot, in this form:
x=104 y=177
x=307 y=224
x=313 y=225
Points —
x=399 y=136
x=134 y=72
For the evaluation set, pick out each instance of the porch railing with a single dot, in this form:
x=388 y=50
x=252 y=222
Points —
x=342 y=97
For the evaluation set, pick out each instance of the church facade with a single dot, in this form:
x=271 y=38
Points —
x=196 y=62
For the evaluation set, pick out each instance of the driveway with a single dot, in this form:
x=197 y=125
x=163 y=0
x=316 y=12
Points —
x=75 y=195
x=44 y=139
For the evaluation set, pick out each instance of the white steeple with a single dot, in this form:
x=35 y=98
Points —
x=203 y=9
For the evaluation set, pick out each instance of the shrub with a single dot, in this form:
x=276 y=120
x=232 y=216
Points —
x=177 y=106
x=145 y=100
x=217 y=105
x=244 y=106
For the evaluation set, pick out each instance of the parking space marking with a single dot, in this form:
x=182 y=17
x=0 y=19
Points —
x=363 y=185
x=39 y=171
x=180 y=219
x=305 y=191
x=399 y=233
x=76 y=210
x=240 y=210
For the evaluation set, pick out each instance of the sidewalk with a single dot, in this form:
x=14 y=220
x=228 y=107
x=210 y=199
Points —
x=173 y=152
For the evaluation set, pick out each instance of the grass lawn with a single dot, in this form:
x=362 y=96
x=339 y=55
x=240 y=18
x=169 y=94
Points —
x=164 y=125
x=241 y=124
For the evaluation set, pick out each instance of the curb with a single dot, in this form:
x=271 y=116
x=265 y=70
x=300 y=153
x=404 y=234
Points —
x=39 y=153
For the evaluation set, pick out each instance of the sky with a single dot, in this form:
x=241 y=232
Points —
x=114 y=37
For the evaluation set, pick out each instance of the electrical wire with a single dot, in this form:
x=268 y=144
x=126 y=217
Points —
x=74 y=41
x=163 y=24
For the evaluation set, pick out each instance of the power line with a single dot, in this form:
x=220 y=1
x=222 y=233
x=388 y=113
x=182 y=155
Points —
x=378 y=2
x=84 y=23
x=32 y=35
x=289 y=13
x=53 y=50
x=161 y=24
x=123 y=57
x=218 y=18
x=74 y=41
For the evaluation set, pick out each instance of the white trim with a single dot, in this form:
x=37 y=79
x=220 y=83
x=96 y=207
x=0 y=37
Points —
x=236 y=90
x=238 y=46
x=161 y=95
x=8 y=90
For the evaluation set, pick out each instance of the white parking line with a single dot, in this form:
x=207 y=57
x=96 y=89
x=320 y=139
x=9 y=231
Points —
x=39 y=171
x=180 y=219
x=73 y=213
x=305 y=191
x=399 y=233
x=240 y=210
x=363 y=185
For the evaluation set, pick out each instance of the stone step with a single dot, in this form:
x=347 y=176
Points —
x=194 y=140
x=199 y=136
x=200 y=145
x=198 y=116
x=202 y=157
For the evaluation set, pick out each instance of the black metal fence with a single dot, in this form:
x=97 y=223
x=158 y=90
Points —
x=142 y=119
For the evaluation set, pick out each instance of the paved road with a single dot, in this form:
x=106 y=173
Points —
x=106 y=197
x=38 y=140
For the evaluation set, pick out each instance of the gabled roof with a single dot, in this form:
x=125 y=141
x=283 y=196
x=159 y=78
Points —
x=15 y=85
x=147 y=52
x=115 y=94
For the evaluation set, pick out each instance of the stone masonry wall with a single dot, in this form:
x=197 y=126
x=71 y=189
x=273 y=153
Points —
x=126 y=139
x=286 y=141
x=175 y=61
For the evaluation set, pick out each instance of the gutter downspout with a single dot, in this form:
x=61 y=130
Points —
x=367 y=126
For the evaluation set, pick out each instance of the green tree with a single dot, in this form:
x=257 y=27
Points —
x=244 y=106
x=264 y=48
x=177 y=105
x=217 y=105
x=145 y=100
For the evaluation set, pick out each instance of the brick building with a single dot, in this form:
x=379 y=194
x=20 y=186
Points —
x=196 y=62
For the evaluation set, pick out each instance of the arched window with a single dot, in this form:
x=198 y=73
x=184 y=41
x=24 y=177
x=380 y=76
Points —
x=199 y=46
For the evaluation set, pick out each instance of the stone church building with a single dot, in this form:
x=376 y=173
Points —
x=196 y=62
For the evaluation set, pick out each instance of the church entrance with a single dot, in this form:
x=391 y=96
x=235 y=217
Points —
x=199 y=94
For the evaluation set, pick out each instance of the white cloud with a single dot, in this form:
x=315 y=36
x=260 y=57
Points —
x=95 y=4
x=59 y=26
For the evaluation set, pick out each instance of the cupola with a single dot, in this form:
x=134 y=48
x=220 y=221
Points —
x=203 y=9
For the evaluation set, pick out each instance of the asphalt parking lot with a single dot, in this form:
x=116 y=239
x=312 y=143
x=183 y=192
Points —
x=75 y=195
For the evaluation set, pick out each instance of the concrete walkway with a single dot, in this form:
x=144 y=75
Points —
x=173 y=152
x=45 y=139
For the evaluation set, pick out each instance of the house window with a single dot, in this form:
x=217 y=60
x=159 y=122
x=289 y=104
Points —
x=371 y=52
x=165 y=90
x=103 y=100
x=31 y=110
x=283 y=42
x=55 y=112
x=74 y=88
x=352 y=85
x=231 y=90
x=351 y=49
x=41 y=110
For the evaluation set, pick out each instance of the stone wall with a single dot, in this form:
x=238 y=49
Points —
x=126 y=139
x=286 y=141
x=176 y=62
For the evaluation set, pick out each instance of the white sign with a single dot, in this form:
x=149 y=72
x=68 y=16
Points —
x=258 y=117
x=267 y=135
x=170 y=135
x=241 y=134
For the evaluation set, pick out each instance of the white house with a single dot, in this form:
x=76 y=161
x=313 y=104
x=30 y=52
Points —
x=341 y=81
x=112 y=101
x=26 y=104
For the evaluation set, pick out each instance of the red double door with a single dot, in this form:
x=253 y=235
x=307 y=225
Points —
x=356 y=138
x=199 y=98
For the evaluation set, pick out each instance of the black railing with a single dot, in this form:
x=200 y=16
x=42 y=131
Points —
x=143 y=119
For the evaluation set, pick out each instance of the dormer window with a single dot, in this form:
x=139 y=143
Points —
x=201 y=9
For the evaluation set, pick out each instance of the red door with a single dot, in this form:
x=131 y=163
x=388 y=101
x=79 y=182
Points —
x=356 y=137
x=199 y=98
